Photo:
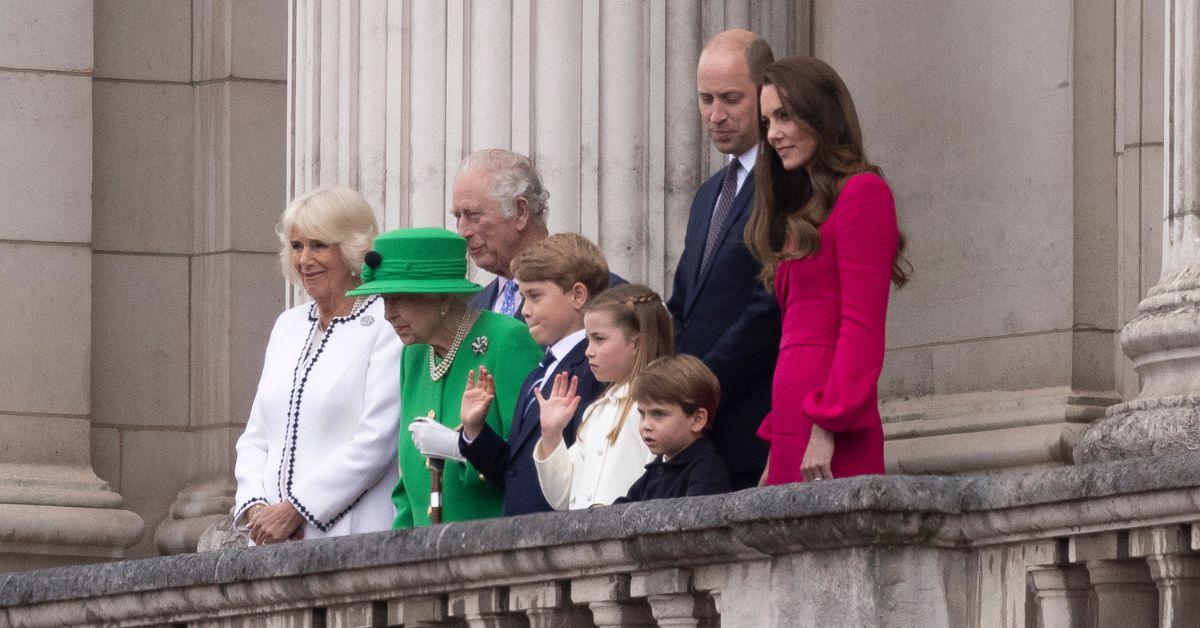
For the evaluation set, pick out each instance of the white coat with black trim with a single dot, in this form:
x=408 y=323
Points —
x=322 y=431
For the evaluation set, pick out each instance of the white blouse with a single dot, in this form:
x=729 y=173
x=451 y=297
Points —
x=322 y=431
x=592 y=471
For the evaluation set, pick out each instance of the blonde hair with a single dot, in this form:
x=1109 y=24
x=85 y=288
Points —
x=640 y=313
x=564 y=259
x=338 y=217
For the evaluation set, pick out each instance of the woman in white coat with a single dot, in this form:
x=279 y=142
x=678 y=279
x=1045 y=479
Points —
x=318 y=457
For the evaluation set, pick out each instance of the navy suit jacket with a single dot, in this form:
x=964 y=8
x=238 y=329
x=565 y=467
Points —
x=508 y=465
x=484 y=299
x=726 y=318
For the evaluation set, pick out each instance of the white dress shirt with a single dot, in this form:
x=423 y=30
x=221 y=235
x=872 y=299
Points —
x=747 y=159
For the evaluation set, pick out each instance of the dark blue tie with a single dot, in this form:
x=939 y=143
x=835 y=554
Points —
x=720 y=212
x=540 y=380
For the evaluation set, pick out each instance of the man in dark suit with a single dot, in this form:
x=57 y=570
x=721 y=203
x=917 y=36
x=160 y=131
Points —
x=499 y=206
x=722 y=313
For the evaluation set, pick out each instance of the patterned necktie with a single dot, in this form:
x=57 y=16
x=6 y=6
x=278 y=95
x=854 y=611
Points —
x=721 y=212
x=508 y=303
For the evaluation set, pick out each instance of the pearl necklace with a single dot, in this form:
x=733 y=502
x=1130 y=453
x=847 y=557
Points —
x=438 y=371
x=358 y=303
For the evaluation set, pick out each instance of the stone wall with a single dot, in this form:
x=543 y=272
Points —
x=46 y=274
x=1103 y=545
x=189 y=152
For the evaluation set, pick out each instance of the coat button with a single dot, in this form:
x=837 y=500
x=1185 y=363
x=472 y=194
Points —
x=481 y=478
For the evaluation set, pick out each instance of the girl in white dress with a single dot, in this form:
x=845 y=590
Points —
x=627 y=328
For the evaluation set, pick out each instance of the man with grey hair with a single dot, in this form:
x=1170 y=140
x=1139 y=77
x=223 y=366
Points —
x=722 y=313
x=499 y=205
x=500 y=208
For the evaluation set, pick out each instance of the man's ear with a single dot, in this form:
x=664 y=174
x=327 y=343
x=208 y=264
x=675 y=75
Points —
x=699 y=420
x=579 y=295
x=521 y=214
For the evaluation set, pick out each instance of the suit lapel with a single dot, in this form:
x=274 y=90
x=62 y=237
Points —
x=741 y=205
x=532 y=418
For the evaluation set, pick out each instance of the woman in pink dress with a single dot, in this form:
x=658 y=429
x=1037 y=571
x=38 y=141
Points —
x=824 y=229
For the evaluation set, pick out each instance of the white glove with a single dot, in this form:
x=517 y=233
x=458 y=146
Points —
x=435 y=440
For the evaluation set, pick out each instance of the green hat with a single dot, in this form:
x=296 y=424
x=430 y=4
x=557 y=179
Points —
x=420 y=260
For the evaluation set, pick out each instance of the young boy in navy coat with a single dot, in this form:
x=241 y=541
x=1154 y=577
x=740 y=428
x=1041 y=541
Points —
x=677 y=397
x=557 y=277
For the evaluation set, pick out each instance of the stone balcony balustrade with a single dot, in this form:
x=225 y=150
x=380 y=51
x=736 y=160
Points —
x=1107 y=544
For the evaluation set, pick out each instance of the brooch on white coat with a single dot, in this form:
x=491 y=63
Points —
x=479 y=346
x=367 y=320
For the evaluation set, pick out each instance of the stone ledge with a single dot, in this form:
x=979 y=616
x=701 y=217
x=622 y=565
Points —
x=875 y=510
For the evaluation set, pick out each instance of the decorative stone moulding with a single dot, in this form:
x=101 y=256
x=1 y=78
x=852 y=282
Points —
x=195 y=510
x=1164 y=344
x=1030 y=548
x=60 y=515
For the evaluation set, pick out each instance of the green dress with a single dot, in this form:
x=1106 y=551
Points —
x=504 y=346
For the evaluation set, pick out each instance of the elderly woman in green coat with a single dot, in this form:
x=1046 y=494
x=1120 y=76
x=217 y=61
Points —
x=421 y=274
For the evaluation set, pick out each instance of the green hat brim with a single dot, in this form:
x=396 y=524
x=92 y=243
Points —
x=416 y=286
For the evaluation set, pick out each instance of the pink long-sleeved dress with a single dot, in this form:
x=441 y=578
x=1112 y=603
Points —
x=834 y=307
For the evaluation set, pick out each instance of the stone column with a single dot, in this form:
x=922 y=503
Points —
x=1123 y=595
x=390 y=96
x=1061 y=597
x=547 y=605
x=484 y=608
x=53 y=508
x=673 y=599
x=1175 y=568
x=609 y=599
x=1164 y=340
x=190 y=186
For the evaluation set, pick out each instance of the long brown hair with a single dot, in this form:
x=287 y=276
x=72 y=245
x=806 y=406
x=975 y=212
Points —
x=640 y=313
x=790 y=206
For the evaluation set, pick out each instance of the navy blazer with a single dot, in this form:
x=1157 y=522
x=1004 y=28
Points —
x=484 y=299
x=508 y=465
x=727 y=319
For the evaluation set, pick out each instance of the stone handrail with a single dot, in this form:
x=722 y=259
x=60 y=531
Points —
x=1088 y=542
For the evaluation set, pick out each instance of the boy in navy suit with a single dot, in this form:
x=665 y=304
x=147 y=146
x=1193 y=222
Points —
x=557 y=277
x=677 y=397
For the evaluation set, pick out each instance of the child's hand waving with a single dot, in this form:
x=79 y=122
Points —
x=476 y=400
x=557 y=409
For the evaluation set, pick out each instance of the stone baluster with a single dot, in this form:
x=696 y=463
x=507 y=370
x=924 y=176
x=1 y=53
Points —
x=1062 y=596
x=420 y=611
x=547 y=605
x=672 y=598
x=357 y=615
x=1123 y=595
x=484 y=608
x=608 y=597
x=1175 y=569
x=1164 y=339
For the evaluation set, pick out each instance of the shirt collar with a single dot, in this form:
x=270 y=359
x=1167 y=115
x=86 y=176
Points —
x=689 y=453
x=748 y=158
x=564 y=346
x=617 y=393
